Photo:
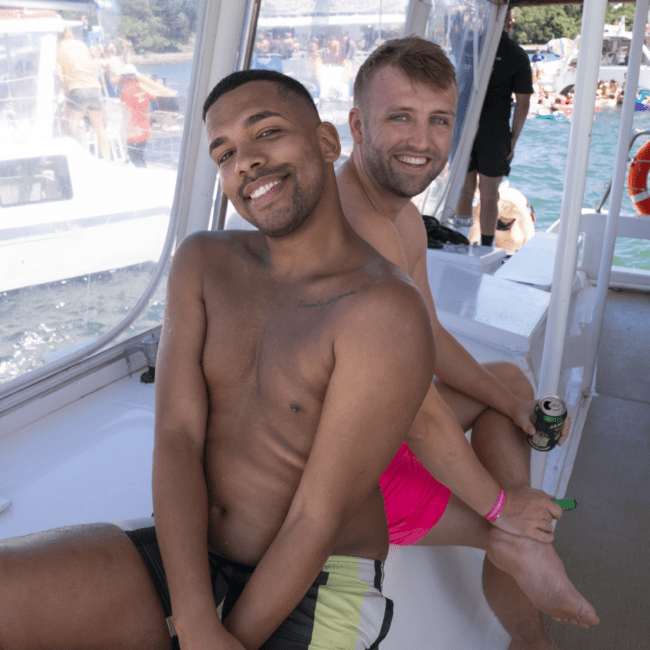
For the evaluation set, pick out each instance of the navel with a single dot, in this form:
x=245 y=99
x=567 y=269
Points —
x=296 y=408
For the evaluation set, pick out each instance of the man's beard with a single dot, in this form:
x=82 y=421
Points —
x=305 y=197
x=377 y=163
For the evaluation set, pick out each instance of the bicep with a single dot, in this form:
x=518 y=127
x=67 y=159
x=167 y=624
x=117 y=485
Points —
x=181 y=390
x=522 y=100
x=382 y=372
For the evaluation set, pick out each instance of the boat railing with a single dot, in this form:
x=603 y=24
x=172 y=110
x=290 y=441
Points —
x=593 y=224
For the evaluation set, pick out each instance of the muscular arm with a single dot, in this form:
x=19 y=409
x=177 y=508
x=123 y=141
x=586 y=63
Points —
x=518 y=120
x=384 y=364
x=179 y=488
x=439 y=443
x=454 y=364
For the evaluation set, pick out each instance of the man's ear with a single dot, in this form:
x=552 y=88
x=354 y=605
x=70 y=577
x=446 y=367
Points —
x=328 y=137
x=354 y=120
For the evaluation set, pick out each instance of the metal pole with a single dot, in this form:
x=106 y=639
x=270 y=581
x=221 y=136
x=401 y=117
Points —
x=625 y=130
x=591 y=39
x=417 y=15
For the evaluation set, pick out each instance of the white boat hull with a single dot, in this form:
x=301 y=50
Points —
x=117 y=216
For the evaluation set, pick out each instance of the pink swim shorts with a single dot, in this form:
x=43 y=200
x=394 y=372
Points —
x=414 y=499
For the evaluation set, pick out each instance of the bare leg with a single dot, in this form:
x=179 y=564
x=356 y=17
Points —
x=502 y=448
x=464 y=206
x=97 y=122
x=78 y=588
x=488 y=189
x=71 y=123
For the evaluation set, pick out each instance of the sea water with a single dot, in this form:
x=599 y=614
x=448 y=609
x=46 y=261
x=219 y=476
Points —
x=39 y=320
x=539 y=165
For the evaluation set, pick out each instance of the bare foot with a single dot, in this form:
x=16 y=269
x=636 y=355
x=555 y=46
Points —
x=540 y=574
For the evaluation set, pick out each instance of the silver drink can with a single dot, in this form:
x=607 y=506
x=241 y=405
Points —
x=550 y=414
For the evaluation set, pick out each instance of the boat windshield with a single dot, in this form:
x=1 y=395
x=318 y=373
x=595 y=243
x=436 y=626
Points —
x=91 y=118
x=86 y=181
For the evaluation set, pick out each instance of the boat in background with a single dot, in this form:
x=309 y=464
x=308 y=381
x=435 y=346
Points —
x=65 y=212
x=560 y=74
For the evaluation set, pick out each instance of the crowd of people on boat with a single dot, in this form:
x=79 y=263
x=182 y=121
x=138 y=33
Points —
x=91 y=69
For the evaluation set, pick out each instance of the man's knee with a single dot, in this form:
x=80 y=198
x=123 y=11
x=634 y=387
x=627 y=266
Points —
x=513 y=378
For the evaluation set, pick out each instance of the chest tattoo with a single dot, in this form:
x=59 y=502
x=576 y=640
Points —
x=331 y=301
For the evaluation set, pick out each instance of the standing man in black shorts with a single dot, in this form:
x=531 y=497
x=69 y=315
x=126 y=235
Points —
x=494 y=145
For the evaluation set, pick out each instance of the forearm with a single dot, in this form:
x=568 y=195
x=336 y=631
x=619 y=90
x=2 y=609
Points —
x=281 y=579
x=457 y=368
x=520 y=114
x=181 y=512
x=440 y=445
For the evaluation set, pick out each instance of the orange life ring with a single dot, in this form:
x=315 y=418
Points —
x=637 y=180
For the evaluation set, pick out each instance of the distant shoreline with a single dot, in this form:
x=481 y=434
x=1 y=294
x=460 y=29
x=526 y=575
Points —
x=155 y=58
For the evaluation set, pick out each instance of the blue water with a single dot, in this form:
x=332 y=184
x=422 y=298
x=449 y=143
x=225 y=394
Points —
x=175 y=76
x=539 y=166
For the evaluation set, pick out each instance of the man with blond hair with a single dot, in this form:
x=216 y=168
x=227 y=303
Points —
x=404 y=106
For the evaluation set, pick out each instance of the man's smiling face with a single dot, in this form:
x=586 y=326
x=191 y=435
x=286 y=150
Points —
x=265 y=146
x=406 y=131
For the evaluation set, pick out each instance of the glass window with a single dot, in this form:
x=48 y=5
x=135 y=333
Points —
x=91 y=119
x=34 y=180
x=322 y=43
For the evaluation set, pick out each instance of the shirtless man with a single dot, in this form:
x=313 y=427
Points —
x=401 y=124
x=292 y=363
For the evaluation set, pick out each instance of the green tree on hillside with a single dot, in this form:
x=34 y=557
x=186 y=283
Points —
x=626 y=10
x=541 y=24
x=157 y=25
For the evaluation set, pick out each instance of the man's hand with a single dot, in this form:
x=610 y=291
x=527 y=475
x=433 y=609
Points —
x=525 y=414
x=529 y=513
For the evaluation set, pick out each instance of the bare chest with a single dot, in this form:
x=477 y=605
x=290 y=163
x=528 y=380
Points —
x=272 y=350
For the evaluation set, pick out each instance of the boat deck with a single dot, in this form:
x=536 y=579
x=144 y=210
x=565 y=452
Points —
x=603 y=542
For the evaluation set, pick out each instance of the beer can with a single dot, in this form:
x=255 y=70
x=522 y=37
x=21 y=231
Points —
x=549 y=417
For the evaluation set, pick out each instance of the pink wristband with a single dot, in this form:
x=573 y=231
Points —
x=493 y=515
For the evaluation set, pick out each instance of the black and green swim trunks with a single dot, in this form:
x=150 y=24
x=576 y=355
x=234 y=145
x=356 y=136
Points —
x=344 y=609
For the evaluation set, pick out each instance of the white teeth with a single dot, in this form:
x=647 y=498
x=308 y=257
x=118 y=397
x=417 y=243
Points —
x=411 y=160
x=264 y=189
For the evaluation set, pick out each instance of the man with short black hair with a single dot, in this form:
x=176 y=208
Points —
x=291 y=365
